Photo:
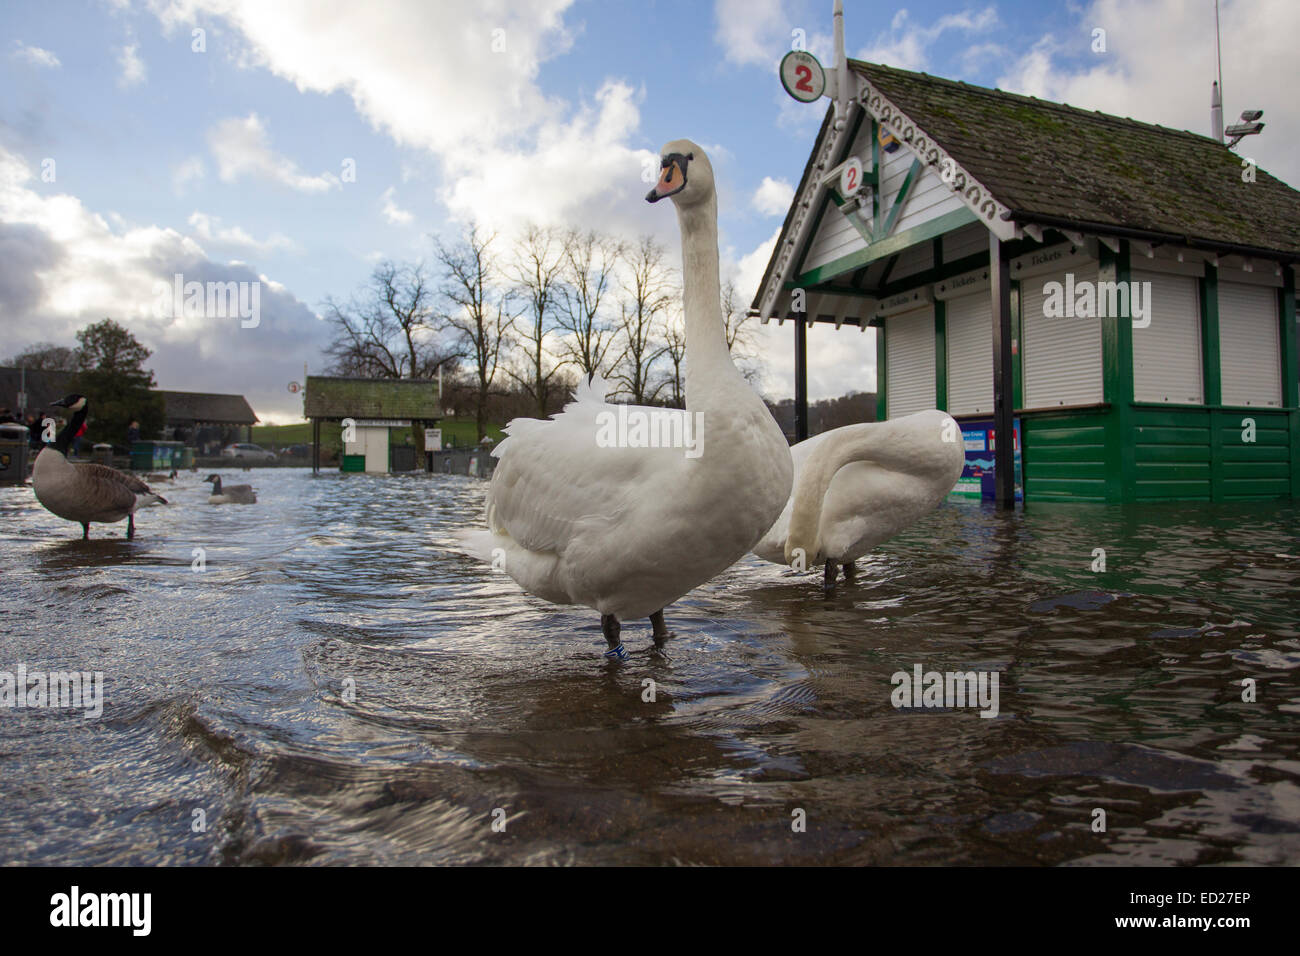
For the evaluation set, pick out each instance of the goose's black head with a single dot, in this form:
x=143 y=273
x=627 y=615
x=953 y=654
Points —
x=212 y=478
x=73 y=402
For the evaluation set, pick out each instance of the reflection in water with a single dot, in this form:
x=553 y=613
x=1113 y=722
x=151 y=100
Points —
x=334 y=685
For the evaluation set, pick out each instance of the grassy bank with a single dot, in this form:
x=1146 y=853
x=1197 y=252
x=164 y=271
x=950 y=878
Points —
x=457 y=432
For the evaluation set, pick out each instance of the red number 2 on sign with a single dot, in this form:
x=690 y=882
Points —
x=805 y=78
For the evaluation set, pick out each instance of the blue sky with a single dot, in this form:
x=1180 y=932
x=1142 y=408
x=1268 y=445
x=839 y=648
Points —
x=230 y=161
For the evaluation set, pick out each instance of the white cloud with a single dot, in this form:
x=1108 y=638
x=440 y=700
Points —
x=1160 y=62
x=242 y=147
x=133 y=68
x=395 y=215
x=63 y=266
x=906 y=43
x=773 y=196
x=35 y=55
x=751 y=32
x=187 y=171
x=209 y=229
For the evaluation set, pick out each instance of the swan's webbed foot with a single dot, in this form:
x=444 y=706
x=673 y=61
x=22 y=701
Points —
x=828 y=580
x=850 y=571
x=610 y=627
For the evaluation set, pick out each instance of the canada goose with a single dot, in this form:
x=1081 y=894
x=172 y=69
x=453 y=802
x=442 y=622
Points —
x=86 y=492
x=234 y=495
x=158 y=476
x=628 y=529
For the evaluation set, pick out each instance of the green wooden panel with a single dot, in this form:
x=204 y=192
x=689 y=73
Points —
x=1171 y=470
x=1068 y=453
x=1070 y=470
x=1066 y=435
x=1279 y=468
x=1177 y=418
x=1162 y=453
x=1238 y=488
x=1173 y=491
x=1163 y=435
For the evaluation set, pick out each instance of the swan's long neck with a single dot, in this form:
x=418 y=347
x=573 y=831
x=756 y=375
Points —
x=706 y=341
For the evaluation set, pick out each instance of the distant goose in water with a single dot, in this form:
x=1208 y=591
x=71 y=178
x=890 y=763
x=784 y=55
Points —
x=858 y=486
x=86 y=492
x=234 y=495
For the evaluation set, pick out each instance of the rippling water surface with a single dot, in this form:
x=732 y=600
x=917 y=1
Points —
x=336 y=686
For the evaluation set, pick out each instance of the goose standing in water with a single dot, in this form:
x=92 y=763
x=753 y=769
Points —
x=86 y=492
x=581 y=511
x=860 y=485
x=233 y=495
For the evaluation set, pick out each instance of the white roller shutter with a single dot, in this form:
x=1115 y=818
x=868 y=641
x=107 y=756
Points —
x=909 y=362
x=1167 y=353
x=1250 y=358
x=1061 y=356
x=969 y=320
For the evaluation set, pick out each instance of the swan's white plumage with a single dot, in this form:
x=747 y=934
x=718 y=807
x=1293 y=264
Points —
x=629 y=530
x=884 y=477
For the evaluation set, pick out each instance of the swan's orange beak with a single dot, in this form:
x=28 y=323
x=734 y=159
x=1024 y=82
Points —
x=672 y=179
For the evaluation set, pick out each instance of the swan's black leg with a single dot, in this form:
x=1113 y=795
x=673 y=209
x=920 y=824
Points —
x=130 y=527
x=609 y=626
x=850 y=571
x=660 y=633
x=85 y=531
x=828 y=581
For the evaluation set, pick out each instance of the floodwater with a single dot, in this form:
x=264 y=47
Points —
x=335 y=686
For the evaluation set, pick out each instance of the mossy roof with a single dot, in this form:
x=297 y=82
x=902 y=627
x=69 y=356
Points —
x=397 y=399
x=1094 y=169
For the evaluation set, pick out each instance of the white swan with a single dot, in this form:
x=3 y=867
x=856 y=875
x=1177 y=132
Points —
x=230 y=495
x=581 y=512
x=860 y=485
x=86 y=492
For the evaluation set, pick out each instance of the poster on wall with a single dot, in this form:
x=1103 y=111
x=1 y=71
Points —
x=976 y=481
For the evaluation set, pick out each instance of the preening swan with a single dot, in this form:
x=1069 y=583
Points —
x=86 y=492
x=860 y=485
x=582 y=511
x=232 y=495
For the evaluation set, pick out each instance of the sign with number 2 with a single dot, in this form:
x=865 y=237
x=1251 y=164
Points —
x=802 y=76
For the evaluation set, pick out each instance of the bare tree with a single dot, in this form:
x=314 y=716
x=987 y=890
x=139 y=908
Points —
x=478 y=310
x=739 y=332
x=537 y=271
x=648 y=289
x=47 y=357
x=390 y=329
x=674 y=351
x=590 y=263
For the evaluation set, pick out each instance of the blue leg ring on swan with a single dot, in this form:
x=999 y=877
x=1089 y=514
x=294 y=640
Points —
x=616 y=653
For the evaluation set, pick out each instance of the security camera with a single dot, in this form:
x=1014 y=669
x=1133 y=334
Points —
x=1250 y=116
x=1244 y=129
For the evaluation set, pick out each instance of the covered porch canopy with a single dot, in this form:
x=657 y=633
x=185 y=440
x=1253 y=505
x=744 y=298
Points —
x=368 y=402
x=960 y=189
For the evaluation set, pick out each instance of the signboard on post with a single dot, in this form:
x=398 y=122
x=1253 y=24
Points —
x=433 y=439
x=802 y=76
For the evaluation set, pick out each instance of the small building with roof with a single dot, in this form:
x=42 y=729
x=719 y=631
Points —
x=207 y=420
x=1119 y=295
x=368 y=408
